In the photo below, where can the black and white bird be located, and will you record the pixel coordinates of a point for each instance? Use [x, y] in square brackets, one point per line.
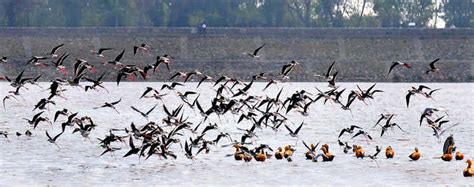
[255, 52]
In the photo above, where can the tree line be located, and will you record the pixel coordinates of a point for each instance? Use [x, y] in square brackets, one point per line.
[235, 13]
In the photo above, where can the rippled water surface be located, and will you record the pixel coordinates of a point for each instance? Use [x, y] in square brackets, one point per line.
[33, 160]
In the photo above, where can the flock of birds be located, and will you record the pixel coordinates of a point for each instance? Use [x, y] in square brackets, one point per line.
[232, 97]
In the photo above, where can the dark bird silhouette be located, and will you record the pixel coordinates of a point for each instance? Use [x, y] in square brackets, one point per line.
[433, 68]
[255, 52]
[172, 86]
[53, 140]
[349, 130]
[99, 53]
[397, 63]
[133, 149]
[364, 133]
[117, 59]
[54, 50]
[296, 131]
[110, 105]
[145, 115]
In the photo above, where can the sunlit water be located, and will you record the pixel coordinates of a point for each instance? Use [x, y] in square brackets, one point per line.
[33, 160]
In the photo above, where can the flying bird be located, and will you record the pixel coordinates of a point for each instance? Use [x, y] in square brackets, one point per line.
[397, 63]
[255, 52]
[433, 68]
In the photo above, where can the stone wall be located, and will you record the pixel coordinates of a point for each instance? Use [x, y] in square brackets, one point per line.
[361, 54]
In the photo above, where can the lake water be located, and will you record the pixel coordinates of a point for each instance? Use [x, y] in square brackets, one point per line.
[34, 161]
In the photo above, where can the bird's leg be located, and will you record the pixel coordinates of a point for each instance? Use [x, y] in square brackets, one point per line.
[57, 145]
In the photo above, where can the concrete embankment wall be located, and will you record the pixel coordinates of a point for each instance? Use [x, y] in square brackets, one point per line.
[361, 54]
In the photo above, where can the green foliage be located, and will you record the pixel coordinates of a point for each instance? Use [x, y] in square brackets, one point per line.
[459, 13]
[230, 13]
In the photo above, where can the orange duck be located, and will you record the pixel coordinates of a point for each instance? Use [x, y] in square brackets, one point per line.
[279, 154]
[448, 156]
[459, 155]
[468, 172]
[327, 156]
[359, 152]
[415, 155]
[238, 155]
[389, 153]
[261, 157]
[288, 151]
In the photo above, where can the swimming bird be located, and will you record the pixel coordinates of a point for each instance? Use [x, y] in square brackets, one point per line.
[389, 152]
[433, 68]
[53, 140]
[415, 155]
[459, 155]
[448, 156]
[254, 54]
[349, 130]
[28, 133]
[359, 152]
[447, 143]
[110, 105]
[279, 153]
[397, 63]
[468, 172]
[238, 155]
[326, 155]
[345, 146]
[288, 153]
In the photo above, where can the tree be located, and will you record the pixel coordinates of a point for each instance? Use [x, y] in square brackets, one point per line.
[458, 13]
[419, 12]
[388, 12]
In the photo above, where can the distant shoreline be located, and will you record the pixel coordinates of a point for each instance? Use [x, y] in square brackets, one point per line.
[362, 54]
